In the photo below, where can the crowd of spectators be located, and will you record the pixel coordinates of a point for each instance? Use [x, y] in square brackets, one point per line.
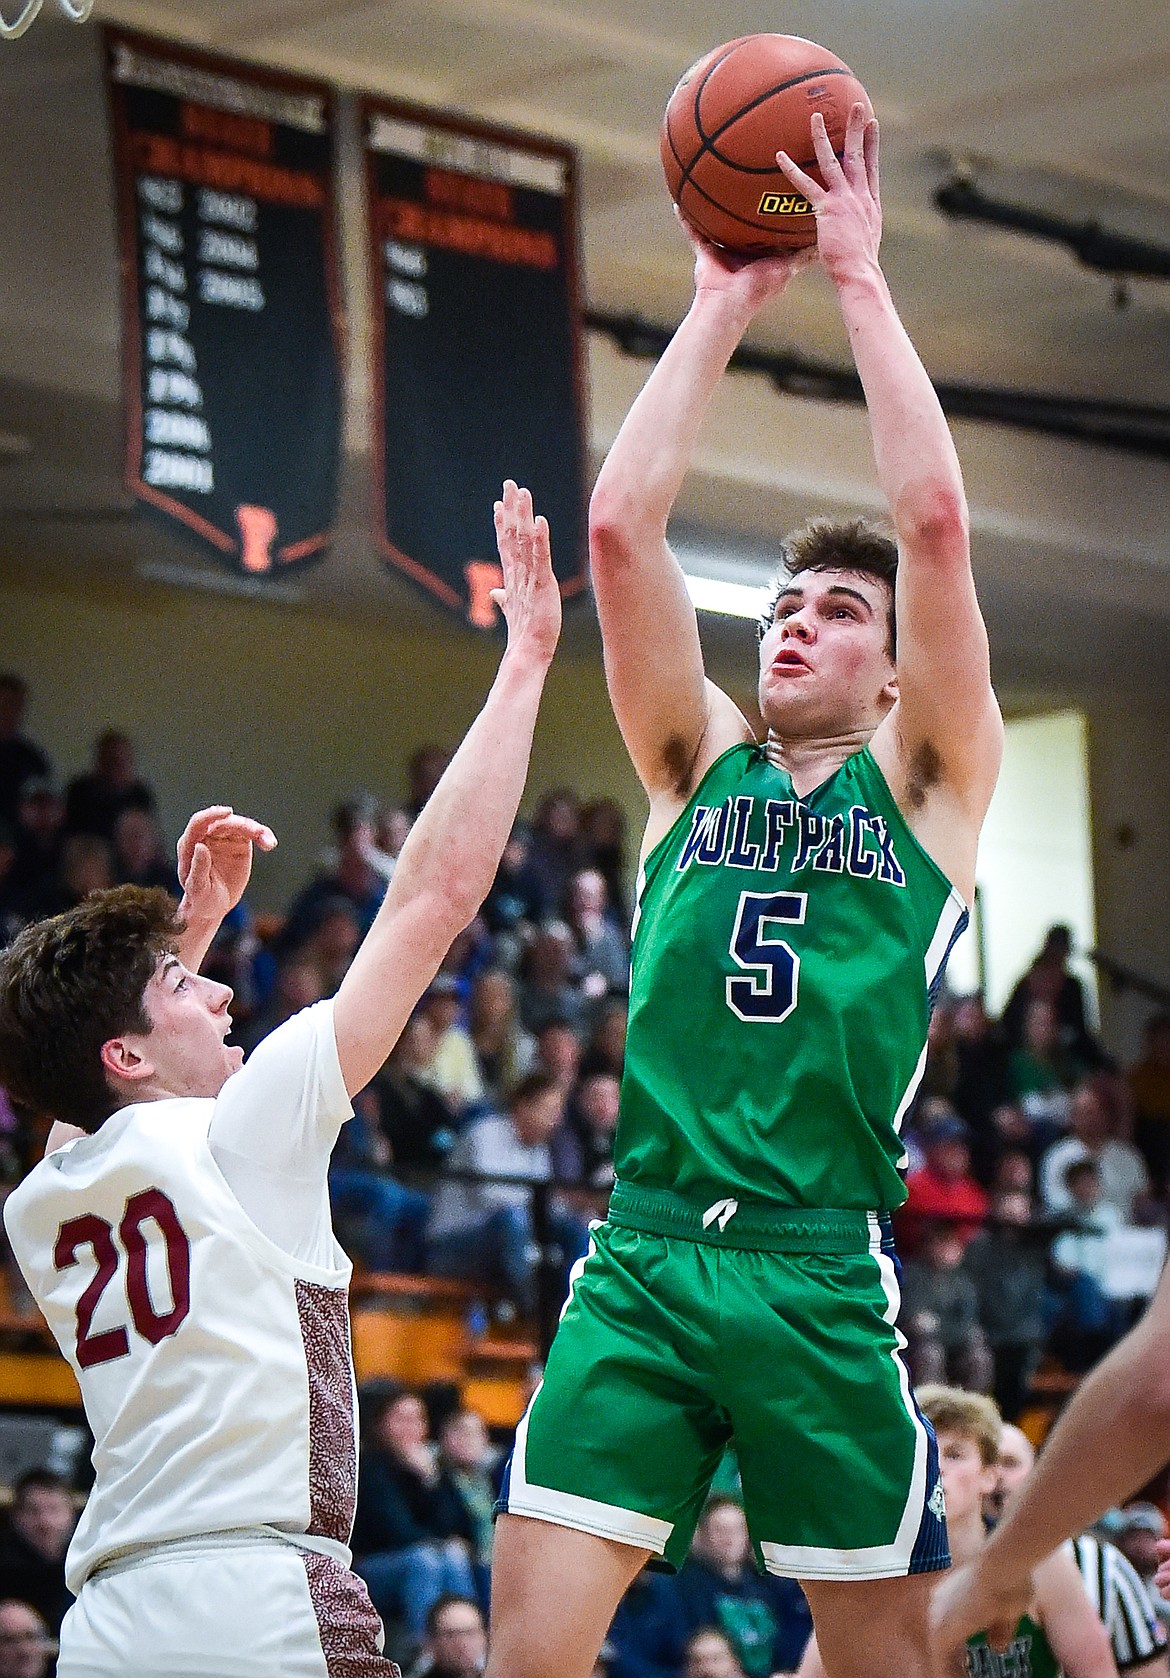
[1038, 1178]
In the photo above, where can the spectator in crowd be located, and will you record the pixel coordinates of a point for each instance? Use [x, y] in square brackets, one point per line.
[603, 846]
[1008, 1263]
[423, 774]
[140, 858]
[1095, 1117]
[555, 845]
[26, 1649]
[95, 800]
[709, 1654]
[456, 1640]
[516, 899]
[941, 1072]
[1042, 1072]
[350, 876]
[1049, 979]
[982, 1085]
[590, 1131]
[504, 1051]
[12, 901]
[765, 1619]
[1089, 1320]
[86, 866]
[605, 1050]
[647, 1638]
[40, 829]
[412, 1116]
[454, 1067]
[33, 1544]
[1149, 1089]
[558, 1052]
[1136, 1530]
[380, 1220]
[392, 825]
[1014, 1171]
[20, 760]
[331, 942]
[413, 1535]
[602, 962]
[467, 1455]
[484, 1229]
[297, 985]
[547, 987]
[943, 1186]
[940, 1315]
[1013, 1464]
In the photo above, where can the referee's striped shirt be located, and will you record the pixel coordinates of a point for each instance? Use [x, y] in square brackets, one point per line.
[1117, 1593]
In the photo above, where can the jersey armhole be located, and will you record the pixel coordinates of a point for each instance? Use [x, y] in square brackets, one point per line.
[651, 859]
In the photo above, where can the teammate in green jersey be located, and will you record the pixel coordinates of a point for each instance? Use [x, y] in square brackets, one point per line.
[1058, 1629]
[798, 902]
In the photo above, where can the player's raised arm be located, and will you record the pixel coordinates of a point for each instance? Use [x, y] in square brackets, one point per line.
[673, 721]
[449, 861]
[946, 723]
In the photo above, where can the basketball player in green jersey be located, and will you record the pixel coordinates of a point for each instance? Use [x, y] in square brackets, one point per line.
[1057, 1629]
[798, 900]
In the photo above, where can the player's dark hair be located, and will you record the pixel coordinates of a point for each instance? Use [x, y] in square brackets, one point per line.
[449, 1599]
[860, 545]
[69, 984]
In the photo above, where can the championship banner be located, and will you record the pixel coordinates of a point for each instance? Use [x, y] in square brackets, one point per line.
[477, 346]
[231, 314]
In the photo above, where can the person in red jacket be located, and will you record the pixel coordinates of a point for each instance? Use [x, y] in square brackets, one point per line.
[943, 1189]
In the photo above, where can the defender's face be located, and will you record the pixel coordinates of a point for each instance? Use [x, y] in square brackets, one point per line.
[189, 1020]
[966, 1478]
[825, 667]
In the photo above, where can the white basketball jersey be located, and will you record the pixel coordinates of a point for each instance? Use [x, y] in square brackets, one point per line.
[215, 1368]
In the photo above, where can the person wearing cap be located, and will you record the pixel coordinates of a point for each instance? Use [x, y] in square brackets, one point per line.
[942, 1190]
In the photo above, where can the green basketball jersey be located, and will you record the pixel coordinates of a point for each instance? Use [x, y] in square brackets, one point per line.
[785, 950]
[1028, 1655]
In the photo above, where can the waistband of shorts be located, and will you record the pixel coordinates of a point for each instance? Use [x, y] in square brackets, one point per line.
[210, 1543]
[749, 1225]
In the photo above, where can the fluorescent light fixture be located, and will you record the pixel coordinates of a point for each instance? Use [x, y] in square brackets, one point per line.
[736, 600]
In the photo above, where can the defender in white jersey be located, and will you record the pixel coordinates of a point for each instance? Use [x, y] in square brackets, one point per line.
[177, 1235]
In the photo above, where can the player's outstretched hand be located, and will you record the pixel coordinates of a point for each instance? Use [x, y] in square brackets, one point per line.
[215, 860]
[1162, 1576]
[962, 1605]
[755, 280]
[848, 207]
[530, 598]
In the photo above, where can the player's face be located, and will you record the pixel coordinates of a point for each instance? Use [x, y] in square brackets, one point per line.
[189, 1020]
[966, 1478]
[825, 666]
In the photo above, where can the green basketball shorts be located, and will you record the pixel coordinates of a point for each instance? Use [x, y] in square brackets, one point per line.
[766, 1328]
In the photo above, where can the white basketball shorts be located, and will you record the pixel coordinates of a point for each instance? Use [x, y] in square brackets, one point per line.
[244, 1606]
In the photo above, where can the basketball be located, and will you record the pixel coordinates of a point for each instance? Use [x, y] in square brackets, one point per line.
[726, 120]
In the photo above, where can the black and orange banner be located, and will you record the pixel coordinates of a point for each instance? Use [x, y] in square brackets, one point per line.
[477, 346]
[230, 299]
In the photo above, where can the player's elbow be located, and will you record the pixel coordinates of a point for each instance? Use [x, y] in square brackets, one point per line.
[932, 521]
[615, 527]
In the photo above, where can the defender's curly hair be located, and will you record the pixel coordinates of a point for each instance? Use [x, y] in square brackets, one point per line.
[830, 545]
[69, 984]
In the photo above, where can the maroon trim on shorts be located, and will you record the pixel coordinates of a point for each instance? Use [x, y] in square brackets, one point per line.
[349, 1628]
[324, 1317]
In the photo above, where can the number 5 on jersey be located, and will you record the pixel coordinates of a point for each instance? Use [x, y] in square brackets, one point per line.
[768, 993]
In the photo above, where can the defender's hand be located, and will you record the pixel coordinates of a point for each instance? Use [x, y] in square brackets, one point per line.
[215, 860]
[530, 598]
[848, 207]
[963, 1604]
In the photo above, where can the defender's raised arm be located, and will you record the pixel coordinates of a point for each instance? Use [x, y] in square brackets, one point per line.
[449, 861]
